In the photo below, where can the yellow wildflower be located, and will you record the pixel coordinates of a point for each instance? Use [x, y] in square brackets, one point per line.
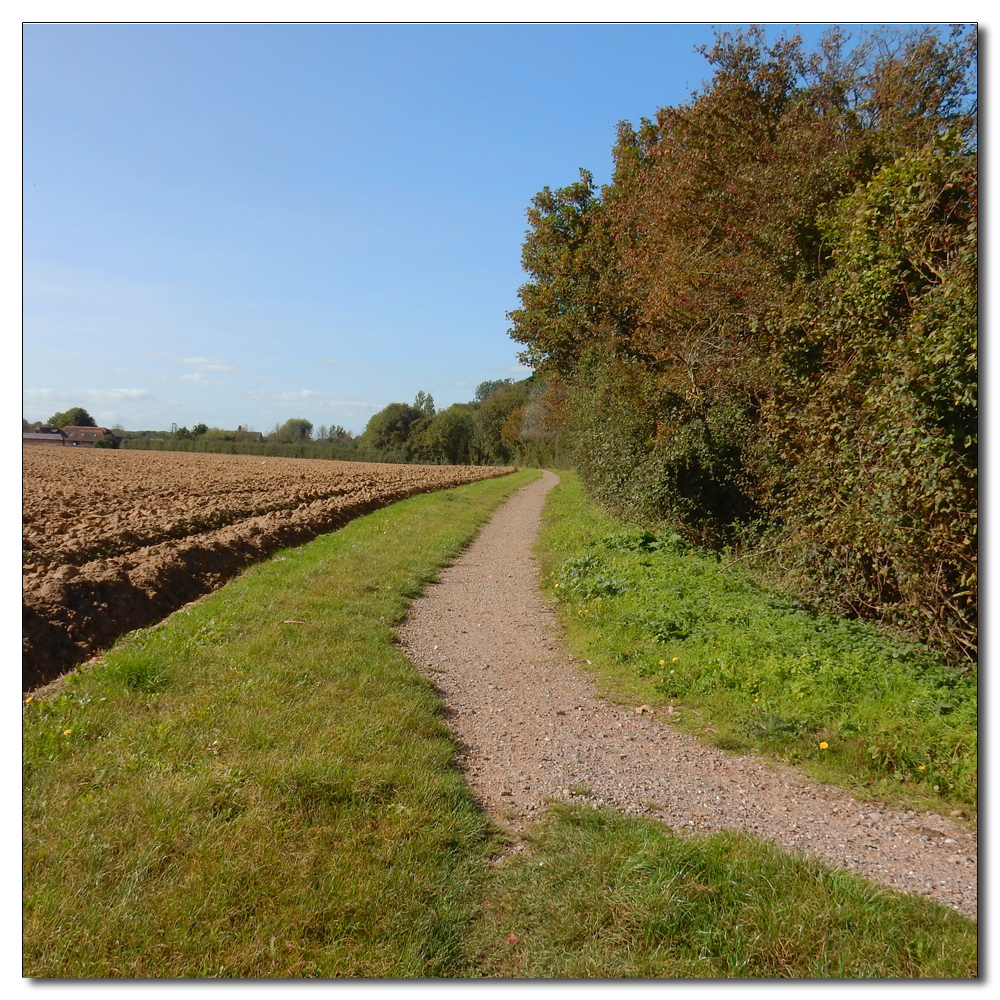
[675, 659]
[662, 662]
[920, 767]
[66, 732]
[823, 746]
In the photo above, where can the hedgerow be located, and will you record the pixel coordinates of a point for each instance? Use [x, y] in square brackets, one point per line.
[765, 327]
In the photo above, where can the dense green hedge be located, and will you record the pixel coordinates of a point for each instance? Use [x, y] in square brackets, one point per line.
[765, 327]
[267, 448]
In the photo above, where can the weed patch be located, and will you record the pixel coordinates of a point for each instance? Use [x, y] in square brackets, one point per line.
[854, 705]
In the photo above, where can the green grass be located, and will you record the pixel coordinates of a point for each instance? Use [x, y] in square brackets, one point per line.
[605, 896]
[753, 670]
[262, 786]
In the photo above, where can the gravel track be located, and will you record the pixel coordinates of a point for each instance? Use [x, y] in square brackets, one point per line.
[531, 729]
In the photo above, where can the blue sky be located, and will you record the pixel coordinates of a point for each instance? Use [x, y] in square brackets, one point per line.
[238, 224]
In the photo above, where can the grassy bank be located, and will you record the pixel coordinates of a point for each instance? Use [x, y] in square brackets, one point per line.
[262, 786]
[751, 670]
[606, 896]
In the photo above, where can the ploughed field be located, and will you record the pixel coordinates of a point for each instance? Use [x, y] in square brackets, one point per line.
[116, 540]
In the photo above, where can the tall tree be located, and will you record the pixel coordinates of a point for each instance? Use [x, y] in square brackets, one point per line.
[424, 403]
[751, 319]
[293, 431]
[76, 416]
[389, 428]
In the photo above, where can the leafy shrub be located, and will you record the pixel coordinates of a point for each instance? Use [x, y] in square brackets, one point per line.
[765, 327]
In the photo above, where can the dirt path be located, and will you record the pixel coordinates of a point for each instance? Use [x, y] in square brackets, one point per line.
[531, 728]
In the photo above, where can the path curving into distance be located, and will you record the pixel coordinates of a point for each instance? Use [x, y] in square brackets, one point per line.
[531, 728]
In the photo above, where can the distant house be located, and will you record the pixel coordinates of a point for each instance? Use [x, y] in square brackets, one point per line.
[44, 435]
[84, 437]
[245, 435]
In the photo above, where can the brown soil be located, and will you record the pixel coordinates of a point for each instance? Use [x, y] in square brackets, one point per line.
[116, 540]
[532, 729]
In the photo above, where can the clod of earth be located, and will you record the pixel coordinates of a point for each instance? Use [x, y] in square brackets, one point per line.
[116, 540]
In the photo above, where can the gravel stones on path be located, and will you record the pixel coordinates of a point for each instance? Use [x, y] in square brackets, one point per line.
[531, 730]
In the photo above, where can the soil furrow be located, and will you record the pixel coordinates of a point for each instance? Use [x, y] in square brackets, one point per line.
[79, 502]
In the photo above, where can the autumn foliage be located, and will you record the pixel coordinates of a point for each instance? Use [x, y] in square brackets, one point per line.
[764, 330]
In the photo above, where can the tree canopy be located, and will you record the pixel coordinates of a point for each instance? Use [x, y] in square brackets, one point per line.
[292, 431]
[76, 416]
[389, 428]
[507, 421]
[491, 385]
[764, 328]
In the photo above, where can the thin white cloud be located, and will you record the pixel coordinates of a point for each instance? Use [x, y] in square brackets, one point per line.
[299, 394]
[86, 286]
[317, 401]
[198, 378]
[88, 395]
[284, 397]
[209, 366]
[106, 406]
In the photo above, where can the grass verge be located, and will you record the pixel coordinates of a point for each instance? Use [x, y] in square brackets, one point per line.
[262, 786]
[605, 896]
[748, 669]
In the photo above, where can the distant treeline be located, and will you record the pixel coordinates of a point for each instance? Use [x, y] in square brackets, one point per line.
[311, 449]
[506, 423]
[764, 329]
